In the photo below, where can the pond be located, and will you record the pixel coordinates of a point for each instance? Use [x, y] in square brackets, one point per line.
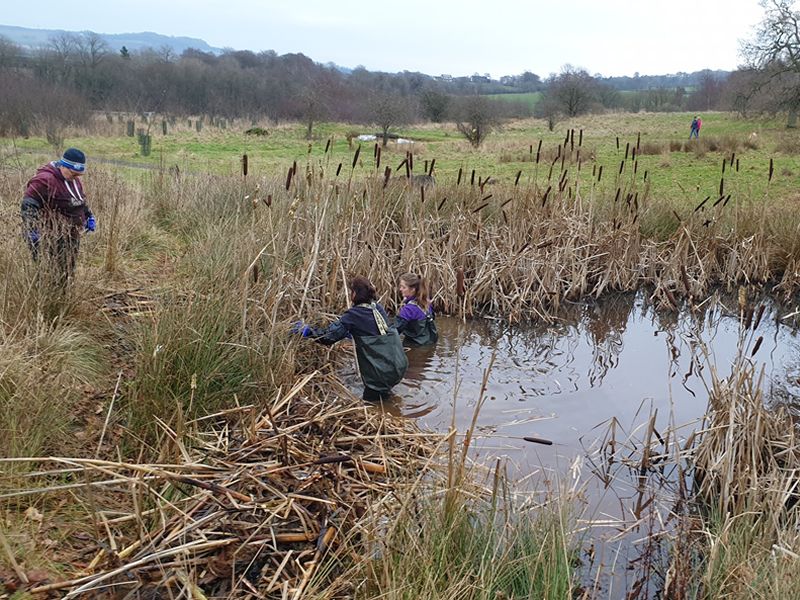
[615, 360]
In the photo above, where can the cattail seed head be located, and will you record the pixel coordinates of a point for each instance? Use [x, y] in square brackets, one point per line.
[759, 315]
[289, 178]
[700, 206]
[759, 341]
[460, 287]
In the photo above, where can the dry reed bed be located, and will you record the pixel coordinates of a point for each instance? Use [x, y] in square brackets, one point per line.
[727, 489]
[747, 457]
[253, 502]
[518, 251]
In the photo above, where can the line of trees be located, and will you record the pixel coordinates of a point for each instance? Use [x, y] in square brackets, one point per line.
[77, 73]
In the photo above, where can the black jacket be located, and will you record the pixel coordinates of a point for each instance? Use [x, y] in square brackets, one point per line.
[379, 351]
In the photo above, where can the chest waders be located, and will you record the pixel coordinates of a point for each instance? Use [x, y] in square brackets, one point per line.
[381, 358]
[420, 332]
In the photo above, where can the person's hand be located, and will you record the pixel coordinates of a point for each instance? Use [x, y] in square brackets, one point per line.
[34, 236]
[91, 223]
[301, 329]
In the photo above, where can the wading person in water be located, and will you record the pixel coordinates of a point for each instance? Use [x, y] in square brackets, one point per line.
[54, 213]
[379, 351]
[415, 320]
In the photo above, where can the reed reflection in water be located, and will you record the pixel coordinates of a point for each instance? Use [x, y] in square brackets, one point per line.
[601, 360]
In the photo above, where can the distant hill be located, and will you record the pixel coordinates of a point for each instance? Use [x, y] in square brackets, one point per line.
[34, 38]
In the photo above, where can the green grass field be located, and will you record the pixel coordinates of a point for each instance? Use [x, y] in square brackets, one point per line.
[531, 99]
[675, 171]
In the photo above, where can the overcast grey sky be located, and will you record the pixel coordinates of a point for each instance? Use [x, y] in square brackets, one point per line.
[500, 37]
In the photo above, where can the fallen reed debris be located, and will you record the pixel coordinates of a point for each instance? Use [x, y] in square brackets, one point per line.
[249, 505]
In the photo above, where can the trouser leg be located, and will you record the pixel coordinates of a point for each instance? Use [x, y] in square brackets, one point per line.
[30, 211]
[371, 395]
[65, 254]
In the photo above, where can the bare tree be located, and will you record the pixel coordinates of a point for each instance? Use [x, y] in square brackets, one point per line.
[774, 53]
[388, 111]
[434, 104]
[708, 94]
[59, 56]
[477, 118]
[90, 77]
[574, 91]
[549, 109]
[10, 53]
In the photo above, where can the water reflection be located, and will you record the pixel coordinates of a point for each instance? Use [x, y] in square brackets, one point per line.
[601, 360]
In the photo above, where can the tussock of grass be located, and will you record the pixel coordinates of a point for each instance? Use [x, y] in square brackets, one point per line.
[469, 551]
[42, 375]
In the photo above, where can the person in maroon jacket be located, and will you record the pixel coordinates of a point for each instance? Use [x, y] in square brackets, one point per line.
[55, 212]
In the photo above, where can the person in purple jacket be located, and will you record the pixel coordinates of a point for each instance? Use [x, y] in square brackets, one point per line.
[416, 321]
[54, 212]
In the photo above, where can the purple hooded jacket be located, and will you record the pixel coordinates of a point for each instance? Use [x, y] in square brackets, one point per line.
[57, 195]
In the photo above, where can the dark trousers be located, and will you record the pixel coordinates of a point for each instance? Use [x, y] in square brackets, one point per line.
[56, 248]
[371, 395]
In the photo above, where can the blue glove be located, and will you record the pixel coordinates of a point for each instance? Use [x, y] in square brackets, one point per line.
[34, 236]
[91, 223]
[300, 328]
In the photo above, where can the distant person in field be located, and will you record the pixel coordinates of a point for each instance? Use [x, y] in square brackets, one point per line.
[694, 130]
[381, 359]
[55, 212]
[415, 320]
[699, 125]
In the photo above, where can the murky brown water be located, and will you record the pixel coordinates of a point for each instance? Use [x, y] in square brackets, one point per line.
[615, 359]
